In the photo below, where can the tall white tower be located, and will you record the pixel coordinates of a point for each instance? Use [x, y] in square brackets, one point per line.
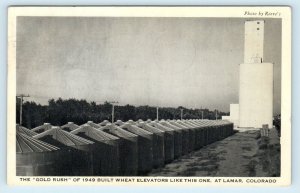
[256, 80]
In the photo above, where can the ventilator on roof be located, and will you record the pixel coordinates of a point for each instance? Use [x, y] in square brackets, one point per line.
[103, 123]
[91, 123]
[70, 126]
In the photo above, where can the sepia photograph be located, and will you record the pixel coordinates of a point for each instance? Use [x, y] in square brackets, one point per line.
[157, 97]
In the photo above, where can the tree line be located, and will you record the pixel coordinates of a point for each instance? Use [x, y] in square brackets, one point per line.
[61, 111]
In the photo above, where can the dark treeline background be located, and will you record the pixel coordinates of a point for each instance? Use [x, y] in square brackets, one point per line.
[59, 112]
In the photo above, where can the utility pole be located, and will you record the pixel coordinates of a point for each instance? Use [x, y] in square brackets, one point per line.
[157, 113]
[216, 115]
[113, 110]
[201, 113]
[181, 112]
[21, 96]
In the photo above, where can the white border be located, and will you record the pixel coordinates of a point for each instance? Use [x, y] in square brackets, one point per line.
[234, 12]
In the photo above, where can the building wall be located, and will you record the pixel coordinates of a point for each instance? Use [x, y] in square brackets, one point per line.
[254, 41]
[234, 111]
[256, 95]
[234, 115]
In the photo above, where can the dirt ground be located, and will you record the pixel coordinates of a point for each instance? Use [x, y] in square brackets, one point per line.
[239, 155]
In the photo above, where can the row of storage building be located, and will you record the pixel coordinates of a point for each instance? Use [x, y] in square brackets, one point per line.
[131, 148]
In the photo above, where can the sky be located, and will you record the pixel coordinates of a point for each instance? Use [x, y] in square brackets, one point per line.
[167, 62]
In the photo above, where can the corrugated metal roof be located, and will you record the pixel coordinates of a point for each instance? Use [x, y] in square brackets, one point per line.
[204, 123]
[94, 133]
[160, 126]
[135, 129]
[64, 137]
[190, 123]
[115, 130]
[179, 123]
[149, 128]
[167, 124]
[27, 144]
[24, 130]
[198, 124]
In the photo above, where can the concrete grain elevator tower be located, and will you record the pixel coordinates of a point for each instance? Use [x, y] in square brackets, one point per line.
[256, 80]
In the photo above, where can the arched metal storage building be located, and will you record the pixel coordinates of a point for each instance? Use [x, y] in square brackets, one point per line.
[177, 138]
[210, 131]
[168, 140]
[204, 129]
[198, 133]
[192, 134]
[145, 151]
[200, 138]
[157, 144]
[78, 152]
[35, 158]
[106, 150]
[185, 136]
[128, 149]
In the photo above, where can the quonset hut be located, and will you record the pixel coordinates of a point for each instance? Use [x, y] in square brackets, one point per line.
[128, 149]
[191, 135]
[200, 134]
[106, 150]
[145, 151]
[185, 136]
[34, 157]
[197, 133]
[157, 143]
[77, 159]
[168, 141]
[211, 130]
[177, 138]
[204, 129]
